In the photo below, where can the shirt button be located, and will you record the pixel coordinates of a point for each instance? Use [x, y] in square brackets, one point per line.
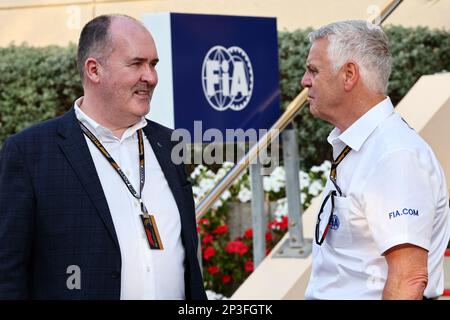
[148, 269]
[115, 274]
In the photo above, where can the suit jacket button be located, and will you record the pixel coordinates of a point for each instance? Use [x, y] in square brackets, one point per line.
[115, 274]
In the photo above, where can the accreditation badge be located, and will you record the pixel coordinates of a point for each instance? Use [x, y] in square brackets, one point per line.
[152, 233]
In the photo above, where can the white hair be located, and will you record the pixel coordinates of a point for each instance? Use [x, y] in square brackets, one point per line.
[362, 42]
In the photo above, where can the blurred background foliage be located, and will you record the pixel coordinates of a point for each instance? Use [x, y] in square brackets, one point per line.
[40, 83]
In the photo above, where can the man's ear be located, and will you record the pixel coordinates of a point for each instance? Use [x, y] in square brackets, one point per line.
[351, 75]
[91, 70]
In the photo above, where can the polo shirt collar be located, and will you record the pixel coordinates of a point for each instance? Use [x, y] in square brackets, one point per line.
[361, 129]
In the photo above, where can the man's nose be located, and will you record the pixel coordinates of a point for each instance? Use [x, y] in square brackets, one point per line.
[306, 81]
[150, 76]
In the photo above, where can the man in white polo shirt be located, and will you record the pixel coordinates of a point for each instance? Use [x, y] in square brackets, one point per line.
[383, 225]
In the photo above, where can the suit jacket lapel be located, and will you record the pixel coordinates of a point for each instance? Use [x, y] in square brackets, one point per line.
[75, 148]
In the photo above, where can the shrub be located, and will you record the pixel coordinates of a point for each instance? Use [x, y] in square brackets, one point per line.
[36, 84]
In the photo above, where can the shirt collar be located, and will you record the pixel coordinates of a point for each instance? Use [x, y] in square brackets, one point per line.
[361, 129]
[102, 133]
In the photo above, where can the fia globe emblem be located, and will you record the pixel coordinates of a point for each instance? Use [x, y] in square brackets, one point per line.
[335, 223]
[227, 78]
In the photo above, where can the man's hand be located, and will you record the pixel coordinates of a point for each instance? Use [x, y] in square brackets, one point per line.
[407, 272]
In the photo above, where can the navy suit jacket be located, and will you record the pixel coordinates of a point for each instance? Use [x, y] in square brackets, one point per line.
[54, 214]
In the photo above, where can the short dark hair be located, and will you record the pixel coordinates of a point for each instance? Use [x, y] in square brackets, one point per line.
[93, 39]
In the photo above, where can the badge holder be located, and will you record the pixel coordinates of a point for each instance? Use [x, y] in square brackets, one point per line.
[151, 231]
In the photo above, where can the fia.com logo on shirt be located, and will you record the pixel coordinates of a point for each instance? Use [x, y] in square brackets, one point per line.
[405, 212]
[227, 78]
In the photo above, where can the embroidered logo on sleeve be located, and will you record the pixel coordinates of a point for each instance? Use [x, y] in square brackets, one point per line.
[403, 212]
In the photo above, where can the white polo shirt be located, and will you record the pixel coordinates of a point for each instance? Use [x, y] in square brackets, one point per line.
[145, 274]
[394, 192]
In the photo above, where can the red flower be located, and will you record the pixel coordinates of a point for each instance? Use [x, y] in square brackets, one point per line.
[248, 266]
[208, 253]
[236, 247]
[207, 239]
[272, 225]
[203, 221]
[221, 229]
[213, 270]
[269, 236]
[198, 229]
[284, 223]
[278, 225]
[226, 279]
[248, 234]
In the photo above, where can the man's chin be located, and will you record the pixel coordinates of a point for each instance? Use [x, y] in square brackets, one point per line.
[141, 109]
[312, 109]
[315, 112]
[142, 101]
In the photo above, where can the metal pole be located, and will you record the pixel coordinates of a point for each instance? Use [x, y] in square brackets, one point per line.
[388, 8]
[291, 166]
[258, 218]
[295, 246]
[199, 253]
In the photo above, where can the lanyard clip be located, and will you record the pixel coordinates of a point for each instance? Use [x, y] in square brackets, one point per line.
[144, 209]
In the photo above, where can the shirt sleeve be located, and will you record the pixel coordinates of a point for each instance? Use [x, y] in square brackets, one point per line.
[398, 201]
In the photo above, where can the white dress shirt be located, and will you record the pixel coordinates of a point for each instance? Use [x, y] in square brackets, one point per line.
[146, 273]
[394, 192]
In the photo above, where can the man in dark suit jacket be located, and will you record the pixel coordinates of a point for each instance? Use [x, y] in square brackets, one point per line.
[59, 235]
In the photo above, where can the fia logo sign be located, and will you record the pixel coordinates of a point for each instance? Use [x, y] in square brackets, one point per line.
[227, 78]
